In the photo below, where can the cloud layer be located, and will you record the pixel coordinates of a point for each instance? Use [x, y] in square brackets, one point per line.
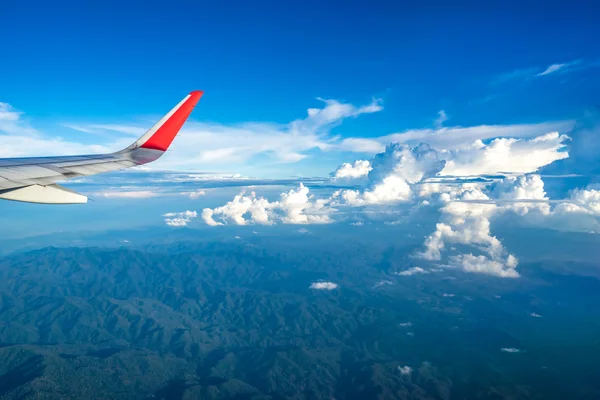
[439, 179]
[295, 206]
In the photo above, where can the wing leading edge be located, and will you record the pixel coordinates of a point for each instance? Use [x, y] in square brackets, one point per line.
[34, 179]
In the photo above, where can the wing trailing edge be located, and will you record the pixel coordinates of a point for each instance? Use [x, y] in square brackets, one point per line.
[51, 194]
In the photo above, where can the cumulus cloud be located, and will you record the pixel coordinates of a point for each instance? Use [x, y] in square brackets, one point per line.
[504, 155]
[467, 214]
[195, 194]
[415, 175]
[469, 224]
[412, 271]
[392, 173]
[295, 206]
[180, 218]
[323, 285]
[359, 169]
[515, 190]
[405, 370]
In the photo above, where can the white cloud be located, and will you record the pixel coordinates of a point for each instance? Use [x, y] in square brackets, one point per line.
[469, 224]
[200, 145]
[393, 171]
[180, 218]
[323, 285]
[405, 324]
[11, 122]
[506, 156]
[230, 145]
[137, 194]
[382, 283]
[553, 68]
[195, 194]
[529, 187]
[363, 145]
[359, 169]
[584, 201]
[510, 350]
[295, 206]
[405, 370]
[412, 271]
[491, 265]
[449, 138]
[535, 315]
[466, 218]
[442, 117]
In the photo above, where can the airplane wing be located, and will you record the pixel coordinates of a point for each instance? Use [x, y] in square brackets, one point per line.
[34, 179]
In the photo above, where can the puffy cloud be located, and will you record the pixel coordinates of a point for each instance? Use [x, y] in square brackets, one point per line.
[180, 218]
[583, 200]
[506, 156]
[195, 194]
[412, 271]
[466, 218]
[579, 212]
[236, 210]
[392, 173]
[492, 265]
[510, 350]
[359, 169]
[405, 370]
[294, 207]
[323, 285]
[469, 224]
[522, 188]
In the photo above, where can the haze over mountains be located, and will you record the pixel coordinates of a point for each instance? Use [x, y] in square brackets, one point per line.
[282, 314]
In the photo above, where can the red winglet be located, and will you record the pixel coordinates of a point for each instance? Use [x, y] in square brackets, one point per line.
[164, 135]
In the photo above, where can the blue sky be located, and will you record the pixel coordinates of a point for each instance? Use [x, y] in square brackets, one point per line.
[268, 61]
[503, 91]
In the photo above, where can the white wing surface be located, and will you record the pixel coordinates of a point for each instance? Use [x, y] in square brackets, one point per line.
[34, 179]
